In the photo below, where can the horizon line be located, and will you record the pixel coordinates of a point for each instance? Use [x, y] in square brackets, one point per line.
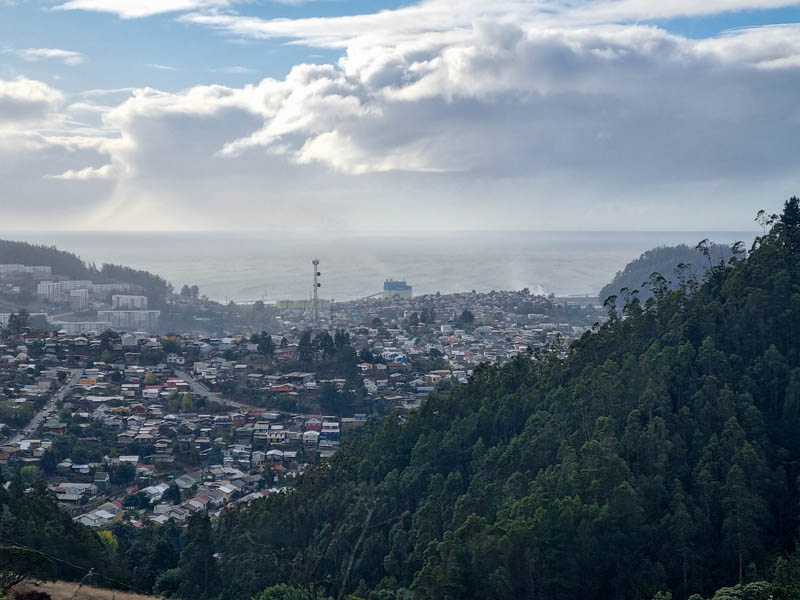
[364, 231]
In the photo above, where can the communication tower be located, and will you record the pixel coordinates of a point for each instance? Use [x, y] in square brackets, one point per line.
[317, 285]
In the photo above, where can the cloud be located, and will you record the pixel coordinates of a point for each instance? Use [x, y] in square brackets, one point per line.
[162, 67]
[106, 92]
[104, 172]
[133, 9]
[452, 114]
[68, 57]
[235, 70]
[24, 102]
[623, 107]
[87, 107]
[455, 18]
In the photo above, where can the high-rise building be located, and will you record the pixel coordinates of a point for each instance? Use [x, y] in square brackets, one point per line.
[79, 299]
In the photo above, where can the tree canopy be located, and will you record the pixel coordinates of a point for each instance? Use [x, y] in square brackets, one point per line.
[673, 263]
[658, 459]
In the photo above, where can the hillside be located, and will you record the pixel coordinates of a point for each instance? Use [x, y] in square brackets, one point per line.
[69, 265]
[659, 459]
[63, 263]
[665, 261]
[661, 455]
[62, 590]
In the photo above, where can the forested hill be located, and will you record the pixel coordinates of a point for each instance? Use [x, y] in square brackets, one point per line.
[660, 456]
[664, 260]
[67, 264]
[62, 263]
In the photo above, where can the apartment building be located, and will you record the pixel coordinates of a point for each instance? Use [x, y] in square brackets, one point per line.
[101, 289]
[79, 299]
[81, 327]
[131, 320]
[128, 302]
[34, 270]
[57, 291]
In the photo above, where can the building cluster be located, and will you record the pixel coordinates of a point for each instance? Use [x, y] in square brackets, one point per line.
[141, 321]
[62, 291]
[147, 418]
[179, 423]
[25, 269]
[407, 347]
[116, 304]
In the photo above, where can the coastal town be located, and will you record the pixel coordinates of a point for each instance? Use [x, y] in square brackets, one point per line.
[126, 421]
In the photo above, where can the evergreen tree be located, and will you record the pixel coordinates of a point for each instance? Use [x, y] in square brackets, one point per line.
[197, 563]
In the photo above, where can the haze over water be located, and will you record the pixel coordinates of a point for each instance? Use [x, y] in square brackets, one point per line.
[247, 266]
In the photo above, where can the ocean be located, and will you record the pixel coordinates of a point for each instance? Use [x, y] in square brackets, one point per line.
[250, 266]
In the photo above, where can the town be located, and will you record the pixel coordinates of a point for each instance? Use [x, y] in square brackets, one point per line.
[128, 422]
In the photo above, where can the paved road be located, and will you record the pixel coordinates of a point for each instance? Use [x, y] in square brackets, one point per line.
[75, 375]
[202, 390]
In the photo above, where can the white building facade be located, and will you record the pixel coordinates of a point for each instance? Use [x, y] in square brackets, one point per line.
[128, 302]
[131, 320]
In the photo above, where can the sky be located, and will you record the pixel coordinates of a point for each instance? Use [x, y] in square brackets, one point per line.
[294, 115]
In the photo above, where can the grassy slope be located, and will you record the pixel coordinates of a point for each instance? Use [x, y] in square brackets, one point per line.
[62, 590]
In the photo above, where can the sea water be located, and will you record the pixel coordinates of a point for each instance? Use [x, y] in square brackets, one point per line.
[273, 266]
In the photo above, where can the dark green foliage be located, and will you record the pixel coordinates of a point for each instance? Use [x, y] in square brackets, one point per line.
[465, 318]
[18, 322]
[282, 592]
[660, 457]
[172, 495]
[347, 361]
[335, 402]
[20, 564]
[153, 286]
[305, 347]
[341, 339]
[122, 474]
[673, 263]
[325, 345]
[62, 263]
[146, 555]
[197, 562]
[266, 347]
[136, 501]
[34, 520]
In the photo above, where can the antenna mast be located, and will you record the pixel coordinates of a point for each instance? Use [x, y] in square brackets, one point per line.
[317, 285]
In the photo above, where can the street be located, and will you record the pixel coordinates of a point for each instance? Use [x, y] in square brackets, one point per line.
[37, 419]
[201, 390]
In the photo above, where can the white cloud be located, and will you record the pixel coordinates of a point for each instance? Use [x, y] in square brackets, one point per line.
[455, 17]
[104, 172]
[106, 92]
[462, 114]
[68, 57]
[162, 67]
[235, 70]
[87, 107]
[503, 100]
[24, 102]
[133, 9]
